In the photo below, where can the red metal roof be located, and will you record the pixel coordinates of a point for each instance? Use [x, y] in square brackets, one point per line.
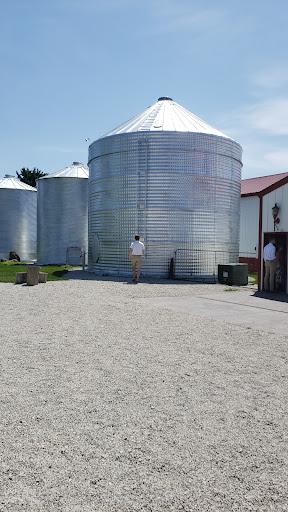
[254, 186]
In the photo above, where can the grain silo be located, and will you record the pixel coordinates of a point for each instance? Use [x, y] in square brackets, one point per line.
[174, 180]
[62, 213]
[18, 218]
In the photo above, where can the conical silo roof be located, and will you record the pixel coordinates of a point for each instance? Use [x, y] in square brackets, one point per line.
[76, 170]
[166, 115]
[11, 182]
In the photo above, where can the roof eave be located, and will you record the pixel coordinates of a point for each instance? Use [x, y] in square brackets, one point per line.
[269, 189]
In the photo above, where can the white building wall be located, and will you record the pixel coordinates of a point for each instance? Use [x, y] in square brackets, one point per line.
[279, 196]
[249, 227]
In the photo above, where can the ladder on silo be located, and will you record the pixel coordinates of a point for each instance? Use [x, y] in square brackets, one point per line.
[141, 189]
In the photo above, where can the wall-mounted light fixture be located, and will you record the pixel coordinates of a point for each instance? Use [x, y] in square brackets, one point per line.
[275, 211]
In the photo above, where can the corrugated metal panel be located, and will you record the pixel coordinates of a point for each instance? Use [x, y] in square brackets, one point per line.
[249, 227]
[62, 215]
[256, 185]
[180, 191]
[11, 182]
[18, 219]
[279, 196]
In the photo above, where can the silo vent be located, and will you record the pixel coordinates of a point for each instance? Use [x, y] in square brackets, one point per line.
[165, 98]
[9, 176]
[77, 163]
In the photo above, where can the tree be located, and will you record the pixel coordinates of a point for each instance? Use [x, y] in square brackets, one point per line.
[30, 177]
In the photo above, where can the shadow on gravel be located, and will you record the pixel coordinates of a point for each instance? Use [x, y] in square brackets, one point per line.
[89, 276]
[278, 297]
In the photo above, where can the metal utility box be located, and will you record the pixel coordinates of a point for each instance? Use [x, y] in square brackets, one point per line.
[233, 274]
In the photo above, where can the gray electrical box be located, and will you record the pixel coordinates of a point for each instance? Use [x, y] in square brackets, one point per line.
[233, 274]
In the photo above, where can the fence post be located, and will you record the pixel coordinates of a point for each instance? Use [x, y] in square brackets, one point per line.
[32, 275]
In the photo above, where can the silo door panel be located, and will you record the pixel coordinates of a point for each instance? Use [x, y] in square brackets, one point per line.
[95, 248]
[74, 256]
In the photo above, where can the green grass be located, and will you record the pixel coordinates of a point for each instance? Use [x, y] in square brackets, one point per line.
[255, 276]
[8, 271]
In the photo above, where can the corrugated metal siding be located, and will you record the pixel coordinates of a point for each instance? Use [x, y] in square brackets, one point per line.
[18, 222]
[62, 218]
[179, 191]
[279, 196]
[249, 226]
[255, 185]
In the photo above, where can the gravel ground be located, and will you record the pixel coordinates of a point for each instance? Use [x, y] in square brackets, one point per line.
[109, 404]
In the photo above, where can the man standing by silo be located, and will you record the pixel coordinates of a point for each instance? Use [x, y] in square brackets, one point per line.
[136, 252]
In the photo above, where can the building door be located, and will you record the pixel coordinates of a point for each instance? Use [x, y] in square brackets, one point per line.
[281, 244]
[74, 256]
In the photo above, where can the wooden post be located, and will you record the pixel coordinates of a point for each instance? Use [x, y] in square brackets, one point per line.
[32, 275]
[21, 277]
[43, 277]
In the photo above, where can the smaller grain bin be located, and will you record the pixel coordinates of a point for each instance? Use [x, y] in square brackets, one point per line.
[18, 218]
[62, 214]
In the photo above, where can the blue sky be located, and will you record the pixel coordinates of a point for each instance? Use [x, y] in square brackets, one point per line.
[72, 69]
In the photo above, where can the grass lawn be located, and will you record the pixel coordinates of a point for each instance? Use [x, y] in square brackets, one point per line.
[8, 271]
[255, 276]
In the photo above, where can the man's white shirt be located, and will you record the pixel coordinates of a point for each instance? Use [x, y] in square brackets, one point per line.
[137, 248]
[269, 252]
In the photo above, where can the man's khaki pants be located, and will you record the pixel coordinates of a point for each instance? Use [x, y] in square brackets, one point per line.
[269, 279]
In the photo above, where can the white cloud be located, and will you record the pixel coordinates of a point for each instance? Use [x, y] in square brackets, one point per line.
[271, 78]
[175, 17]
[278, 159]
[262, 157]
[58, 149]
[261, 127]
[174, 20]
[94, 6]
[270, 116]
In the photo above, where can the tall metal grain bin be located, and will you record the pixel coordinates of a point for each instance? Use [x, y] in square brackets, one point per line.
[174, 180]
[18, 218]
[62, 213]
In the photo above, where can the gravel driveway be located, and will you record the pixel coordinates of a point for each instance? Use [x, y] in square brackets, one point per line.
[111, 404]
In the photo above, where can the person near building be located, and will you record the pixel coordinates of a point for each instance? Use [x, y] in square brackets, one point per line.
[136, 252]
[269, 255]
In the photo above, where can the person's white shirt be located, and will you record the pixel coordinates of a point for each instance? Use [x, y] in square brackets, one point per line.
[137, 248]
[269, 252]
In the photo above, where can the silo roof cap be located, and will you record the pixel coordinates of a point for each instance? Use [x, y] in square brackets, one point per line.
[11, 182]
[76, 170]
[166, 115]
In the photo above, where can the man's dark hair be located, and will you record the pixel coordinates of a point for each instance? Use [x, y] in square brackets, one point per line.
[137, 237]
[272, 238]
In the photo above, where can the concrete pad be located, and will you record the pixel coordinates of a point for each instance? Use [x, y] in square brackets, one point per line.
[258, 311]
[259, 300]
